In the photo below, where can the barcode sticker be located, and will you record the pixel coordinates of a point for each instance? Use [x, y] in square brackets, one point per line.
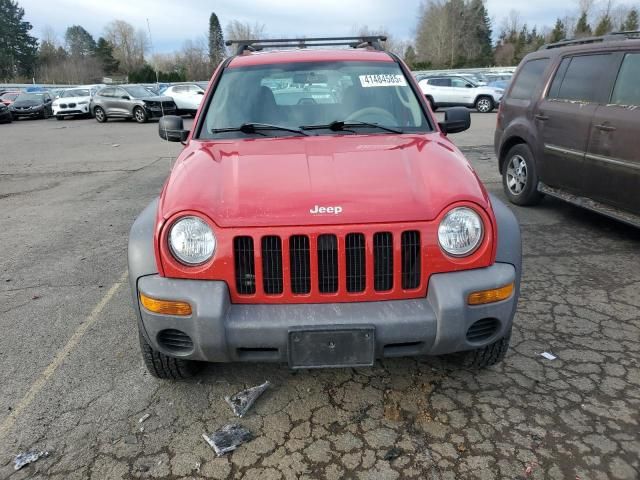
[383, 80]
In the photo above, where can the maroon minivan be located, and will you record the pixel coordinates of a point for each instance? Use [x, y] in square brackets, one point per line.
[569, 126]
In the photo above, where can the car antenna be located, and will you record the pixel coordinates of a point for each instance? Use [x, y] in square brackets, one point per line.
[155, 68]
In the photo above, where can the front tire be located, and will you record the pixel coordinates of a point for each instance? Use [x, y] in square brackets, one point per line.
[483, 357]
[484, 104]
[100, 115]
[140, 115]
[165, 367]
[520, 177]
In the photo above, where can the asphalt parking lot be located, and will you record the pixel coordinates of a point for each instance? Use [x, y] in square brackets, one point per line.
[73, 382]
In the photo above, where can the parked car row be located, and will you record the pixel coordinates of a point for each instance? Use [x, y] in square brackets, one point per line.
[137, 102]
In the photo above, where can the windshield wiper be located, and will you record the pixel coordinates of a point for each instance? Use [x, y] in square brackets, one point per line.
[340, 125]
[253, 127]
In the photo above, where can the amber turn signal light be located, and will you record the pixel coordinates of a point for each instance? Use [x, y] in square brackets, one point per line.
[165, 307]
[490, 296]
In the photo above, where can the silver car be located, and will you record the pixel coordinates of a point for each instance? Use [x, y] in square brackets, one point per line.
[130, 101]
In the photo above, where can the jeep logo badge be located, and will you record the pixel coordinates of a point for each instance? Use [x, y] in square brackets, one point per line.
[318, 210]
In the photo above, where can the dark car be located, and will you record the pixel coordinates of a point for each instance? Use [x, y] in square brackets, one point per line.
[130, 101]
[5, 114]
[569, 125]
[32, 105]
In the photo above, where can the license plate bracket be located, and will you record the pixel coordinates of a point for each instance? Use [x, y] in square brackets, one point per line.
[334, 347]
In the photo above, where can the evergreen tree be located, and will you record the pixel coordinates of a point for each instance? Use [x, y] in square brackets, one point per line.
[631, 23]
[481, 34]
[18, 49]
[582, 27]
[216, 41]
[80, 43]
[104, 54]
[605, 25]
[410, 56]
[559, 32]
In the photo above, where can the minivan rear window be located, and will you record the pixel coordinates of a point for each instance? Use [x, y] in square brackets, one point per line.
[578, 78]
[527, 80]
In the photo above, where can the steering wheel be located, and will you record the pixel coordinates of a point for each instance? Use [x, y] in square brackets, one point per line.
[372, 115]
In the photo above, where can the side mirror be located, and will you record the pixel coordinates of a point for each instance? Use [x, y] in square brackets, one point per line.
[125, 97]
[456, 119]
[171, 129]
[468, 85]
[200, 92]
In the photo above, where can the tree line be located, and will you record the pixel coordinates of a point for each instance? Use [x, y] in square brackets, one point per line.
[121, 52]
[458, 33]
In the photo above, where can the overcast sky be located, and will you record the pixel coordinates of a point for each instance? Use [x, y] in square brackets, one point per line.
[173, 21]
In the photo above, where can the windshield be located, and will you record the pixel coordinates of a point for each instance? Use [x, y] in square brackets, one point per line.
[313, 94]
[30, 96]
[76, 92]
[139, 92]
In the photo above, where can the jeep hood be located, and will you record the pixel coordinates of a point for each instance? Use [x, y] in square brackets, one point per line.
[278, 181]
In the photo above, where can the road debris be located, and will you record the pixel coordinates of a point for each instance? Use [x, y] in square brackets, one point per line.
[548, 356]
[228, 438]
[392, 454]
[144, 417]
[241, 402]
[24, 459]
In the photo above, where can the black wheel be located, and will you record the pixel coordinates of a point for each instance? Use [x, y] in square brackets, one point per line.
[484, 104]
[166, 367]
[432, 104]
[139, 115]
[100, 114]
[520, 177]
[483, 357]
[45, 114]
[59, 117]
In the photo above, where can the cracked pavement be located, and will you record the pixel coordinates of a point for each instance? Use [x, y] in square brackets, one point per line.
[68, 198]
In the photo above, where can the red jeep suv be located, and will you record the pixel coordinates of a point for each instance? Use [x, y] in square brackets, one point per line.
[320, 216]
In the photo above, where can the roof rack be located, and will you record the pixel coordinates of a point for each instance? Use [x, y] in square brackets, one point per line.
[609, 37]
[369, 41]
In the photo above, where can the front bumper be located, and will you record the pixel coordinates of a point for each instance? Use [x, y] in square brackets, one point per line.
[75, 110]
[225, 332]
[27, 113]
[157, 112]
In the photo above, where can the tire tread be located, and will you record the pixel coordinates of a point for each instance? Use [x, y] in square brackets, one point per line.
[165, 367]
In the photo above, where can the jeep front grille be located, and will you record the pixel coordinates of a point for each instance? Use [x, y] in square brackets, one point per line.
[385, 263]
[245, 265]
[410, 259]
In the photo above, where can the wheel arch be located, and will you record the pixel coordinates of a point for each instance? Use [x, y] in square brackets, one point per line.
[505, 147]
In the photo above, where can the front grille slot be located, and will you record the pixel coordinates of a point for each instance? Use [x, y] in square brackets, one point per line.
[328, 264]
[382, 261]
[299, 258]
[175, 340]
[482, 330]
[356, 262]
[411, 254]
[272, 265]
[244, 265]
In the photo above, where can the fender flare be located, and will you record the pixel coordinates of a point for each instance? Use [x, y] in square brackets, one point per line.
[141, 253]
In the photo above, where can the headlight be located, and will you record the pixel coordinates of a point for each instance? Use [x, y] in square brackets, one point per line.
[460, 232]
[191, 241]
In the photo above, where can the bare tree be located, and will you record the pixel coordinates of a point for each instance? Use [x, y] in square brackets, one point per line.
[129, 45]
[236, 30]
[194, 59]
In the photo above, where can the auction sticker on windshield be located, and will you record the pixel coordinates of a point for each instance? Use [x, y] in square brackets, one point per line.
[383, 80]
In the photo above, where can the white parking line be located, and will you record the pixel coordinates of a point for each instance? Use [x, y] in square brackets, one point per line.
[60, 357]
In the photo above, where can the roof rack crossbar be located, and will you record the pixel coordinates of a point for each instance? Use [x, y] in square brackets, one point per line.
[369, 41]
[631, 34]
